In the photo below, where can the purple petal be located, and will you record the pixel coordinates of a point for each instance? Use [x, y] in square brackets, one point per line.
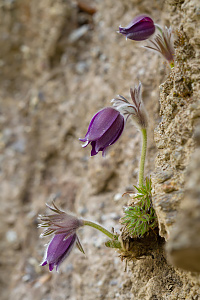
[139, 29]
[67, 253]
[119, 133]
[100, 123]
[57, 247]
[51, 266]
[93, 151]
[85, 142]
[111, 135]
[138, 19]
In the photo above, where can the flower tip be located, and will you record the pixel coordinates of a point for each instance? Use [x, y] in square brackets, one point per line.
[85, 141]
[51, 266]
[43, 263]
[85, 144]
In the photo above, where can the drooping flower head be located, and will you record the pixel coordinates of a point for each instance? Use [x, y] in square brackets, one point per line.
[104, 130]
[136, 110]
[163, 44]
[64, 227]
[139, 29]
[142, 28]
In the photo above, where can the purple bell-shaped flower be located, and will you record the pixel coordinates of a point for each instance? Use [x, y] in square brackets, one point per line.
[104, 130]
[64, 227]
[139, 29]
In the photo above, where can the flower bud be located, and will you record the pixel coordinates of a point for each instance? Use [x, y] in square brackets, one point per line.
[140, 28]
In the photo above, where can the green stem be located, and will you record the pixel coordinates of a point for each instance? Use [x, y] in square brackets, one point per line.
[143, 156]
[100, 228]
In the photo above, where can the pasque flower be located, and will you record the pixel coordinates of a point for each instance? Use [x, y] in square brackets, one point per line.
[64, 227]
[139, 29]
[104, 130]
[136, 110]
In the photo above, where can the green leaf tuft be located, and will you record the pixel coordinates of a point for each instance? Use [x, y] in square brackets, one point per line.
[140, 217]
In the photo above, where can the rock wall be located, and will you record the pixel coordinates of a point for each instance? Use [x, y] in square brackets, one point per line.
[177, 185]
[61, 61]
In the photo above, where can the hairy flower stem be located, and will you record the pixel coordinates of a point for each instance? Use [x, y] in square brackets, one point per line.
[143, 156]
[100, 228]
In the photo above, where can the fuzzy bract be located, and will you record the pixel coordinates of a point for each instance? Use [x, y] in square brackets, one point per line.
[136, 109]
[162, 43]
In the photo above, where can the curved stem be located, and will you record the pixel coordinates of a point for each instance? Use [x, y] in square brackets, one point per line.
[143, 156]
[100, 228]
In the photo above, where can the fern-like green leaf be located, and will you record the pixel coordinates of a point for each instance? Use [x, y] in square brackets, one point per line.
[140, 217]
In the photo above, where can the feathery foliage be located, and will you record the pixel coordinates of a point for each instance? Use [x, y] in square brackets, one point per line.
[140, 217]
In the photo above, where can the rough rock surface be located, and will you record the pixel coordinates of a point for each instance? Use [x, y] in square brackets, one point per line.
[61, 61]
